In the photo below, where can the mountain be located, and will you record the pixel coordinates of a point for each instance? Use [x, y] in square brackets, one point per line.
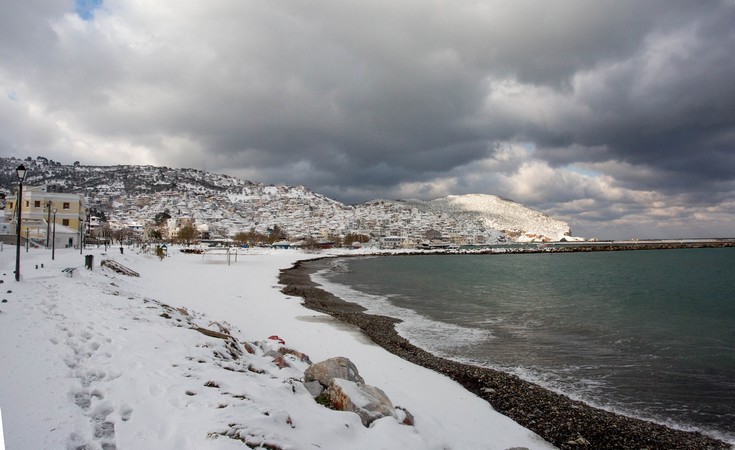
[516, 221]
[135, 194]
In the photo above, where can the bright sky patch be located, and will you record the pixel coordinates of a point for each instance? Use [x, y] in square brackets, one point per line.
[85, 8]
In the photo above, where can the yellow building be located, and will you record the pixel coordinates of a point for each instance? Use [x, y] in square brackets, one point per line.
[38, 210]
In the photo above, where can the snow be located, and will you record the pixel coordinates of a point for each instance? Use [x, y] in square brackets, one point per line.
[102, 360]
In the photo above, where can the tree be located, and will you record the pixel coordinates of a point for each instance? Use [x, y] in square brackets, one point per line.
[187, 234]
[310, 244]
[351, 238]
[160, 218]
[122, 234]
[242, 238]
[276, 234]
[338, 241]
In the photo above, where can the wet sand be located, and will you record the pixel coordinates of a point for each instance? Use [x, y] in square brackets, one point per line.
[566, 423]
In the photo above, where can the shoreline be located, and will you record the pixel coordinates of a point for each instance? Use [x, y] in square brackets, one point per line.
[564, 422]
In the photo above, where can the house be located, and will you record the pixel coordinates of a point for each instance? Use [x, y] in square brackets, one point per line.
[40, 208]
[391, 242]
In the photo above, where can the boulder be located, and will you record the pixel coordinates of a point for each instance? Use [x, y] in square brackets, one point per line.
[340, 367]
[346, 391]
[369, 402]
[314, 387]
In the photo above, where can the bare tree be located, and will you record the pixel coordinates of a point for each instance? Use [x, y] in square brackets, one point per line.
[187, 234]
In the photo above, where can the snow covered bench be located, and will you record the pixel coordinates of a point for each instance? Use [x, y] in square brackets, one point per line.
[69, 271]
[119, 268]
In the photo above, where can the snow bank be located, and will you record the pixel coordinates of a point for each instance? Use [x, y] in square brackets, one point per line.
[104, 360]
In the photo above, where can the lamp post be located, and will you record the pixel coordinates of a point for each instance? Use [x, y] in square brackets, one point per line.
[88, 232]
[28, 235]
[48, 222]
[53, 239]
[21, 172]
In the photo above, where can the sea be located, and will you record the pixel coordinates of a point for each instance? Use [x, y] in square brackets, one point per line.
[645, 333]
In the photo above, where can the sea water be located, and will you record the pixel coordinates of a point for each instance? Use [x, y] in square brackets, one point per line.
[649, 334]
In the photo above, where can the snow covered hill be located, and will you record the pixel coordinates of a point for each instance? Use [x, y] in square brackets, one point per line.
[515, 220]
[227, 205]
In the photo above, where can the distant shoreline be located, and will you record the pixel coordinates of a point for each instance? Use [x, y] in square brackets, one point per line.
[589, 246]
[563, 422]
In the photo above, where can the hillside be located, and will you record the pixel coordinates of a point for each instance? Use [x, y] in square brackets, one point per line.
[135, 194]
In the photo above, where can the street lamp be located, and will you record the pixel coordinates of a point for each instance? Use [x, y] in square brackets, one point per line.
[21, 172]
[88, 232]
[48, 221]
[53, 239]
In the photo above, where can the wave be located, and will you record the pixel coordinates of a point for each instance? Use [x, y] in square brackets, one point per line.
[464, 344]
[418, 329]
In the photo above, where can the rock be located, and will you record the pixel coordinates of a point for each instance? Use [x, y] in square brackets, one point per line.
[303, 357]
[369, 402]
[212, 333]
[281, 362]
[579, 441]
[404, 416]
[340, 367]
[272, 354]
[248, 348]
[314, 387]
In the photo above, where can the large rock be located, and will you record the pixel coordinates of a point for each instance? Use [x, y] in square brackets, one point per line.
[369, 402]
[346, 391]
[340, 367]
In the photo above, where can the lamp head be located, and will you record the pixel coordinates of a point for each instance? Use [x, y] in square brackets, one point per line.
[21, 172]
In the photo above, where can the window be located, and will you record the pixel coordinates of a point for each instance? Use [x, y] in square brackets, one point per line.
[65, 222]
[37, 204]
[66, 205]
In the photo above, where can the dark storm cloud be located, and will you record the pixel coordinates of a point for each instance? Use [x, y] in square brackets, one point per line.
[670, 106]
[605, 111]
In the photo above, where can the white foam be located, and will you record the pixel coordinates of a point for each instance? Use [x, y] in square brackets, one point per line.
[431, 335]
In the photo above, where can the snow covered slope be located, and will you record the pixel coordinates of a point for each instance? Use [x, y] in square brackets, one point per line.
[515, 220]
[227, 205]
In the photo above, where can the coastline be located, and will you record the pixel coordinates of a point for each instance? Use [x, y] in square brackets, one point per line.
[561, 421]
[113, 360]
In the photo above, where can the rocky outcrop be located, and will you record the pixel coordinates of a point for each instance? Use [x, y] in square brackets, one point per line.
[337, 382]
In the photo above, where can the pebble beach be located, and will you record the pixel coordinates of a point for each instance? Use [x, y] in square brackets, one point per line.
[564, 422]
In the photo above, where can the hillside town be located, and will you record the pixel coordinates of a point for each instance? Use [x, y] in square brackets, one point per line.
[145, 203]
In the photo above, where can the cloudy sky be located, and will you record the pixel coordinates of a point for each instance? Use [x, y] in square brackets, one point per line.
[616, 116]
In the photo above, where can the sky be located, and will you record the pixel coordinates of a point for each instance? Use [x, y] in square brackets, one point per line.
[615, 116]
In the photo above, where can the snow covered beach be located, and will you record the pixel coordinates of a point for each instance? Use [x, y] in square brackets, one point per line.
[97, 359]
